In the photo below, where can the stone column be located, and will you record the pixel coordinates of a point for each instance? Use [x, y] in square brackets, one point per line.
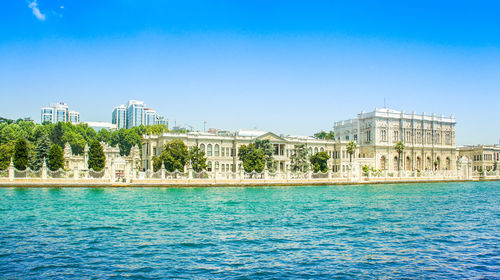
[44, 170]
[190, 173]
[162, 172]
[75, 173]
[266, 173]
[11, 170]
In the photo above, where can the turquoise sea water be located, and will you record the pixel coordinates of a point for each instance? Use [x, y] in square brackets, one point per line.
[413, 231]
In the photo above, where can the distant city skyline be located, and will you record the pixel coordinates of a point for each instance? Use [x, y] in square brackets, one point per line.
[288, 67]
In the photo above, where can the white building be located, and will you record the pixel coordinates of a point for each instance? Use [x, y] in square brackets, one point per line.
[59, 112]
[135, 113]
[221, 149]
[429, 140]
[119, 117]
[102, 125]
[74, 117]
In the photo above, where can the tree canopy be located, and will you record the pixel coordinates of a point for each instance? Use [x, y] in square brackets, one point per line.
[399, 147]
[56, 158]
[268, 149]
[197, 159]
[298, 158]
[41, 152]
[253, 158]
[351, 149]
[325, 135]
[175, 155]
[21, 154]
[319, 162]
[97, 159]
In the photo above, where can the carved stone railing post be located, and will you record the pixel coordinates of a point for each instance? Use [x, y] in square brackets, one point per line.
[11, 170]
[162, 172]
[75, 173]
[44, 169]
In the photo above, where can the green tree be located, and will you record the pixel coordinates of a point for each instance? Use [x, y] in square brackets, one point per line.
[97, 159]
[252, 157]
[6, 154]
[156, 129]
[57, 134]
[351, 149]
[21, 154]
[56, 158]
[268, 149]
[157, 162]
[41, 152]
[126, 139]
[197, 159]
[325, 135]
[319, 162]
[298, 158]
[76, 141]
[38, 132]
[104, 136]
[10, 133]
[400, 147]
[90, 134]
[175, 155]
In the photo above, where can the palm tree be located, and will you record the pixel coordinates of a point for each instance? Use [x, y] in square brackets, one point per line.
[400, 147]
[351, 148]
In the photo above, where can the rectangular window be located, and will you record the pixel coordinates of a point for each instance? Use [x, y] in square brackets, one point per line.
[395, 136]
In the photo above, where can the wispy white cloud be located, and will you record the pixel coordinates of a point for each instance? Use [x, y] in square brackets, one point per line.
[33, 5]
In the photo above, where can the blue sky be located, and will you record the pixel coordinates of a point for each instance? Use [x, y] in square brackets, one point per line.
[287, 66]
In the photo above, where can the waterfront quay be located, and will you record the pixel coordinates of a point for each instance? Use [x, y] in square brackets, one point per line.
[163, 178]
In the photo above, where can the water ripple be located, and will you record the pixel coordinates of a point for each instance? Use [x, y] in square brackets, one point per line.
[426, 231]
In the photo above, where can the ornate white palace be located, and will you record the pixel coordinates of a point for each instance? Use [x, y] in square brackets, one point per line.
[429, 140]
[221, 150]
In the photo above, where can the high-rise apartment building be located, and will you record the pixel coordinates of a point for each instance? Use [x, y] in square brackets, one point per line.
[150, 117]
[135, 113]
[59, 112]
[74, 117]
[119, 117]
[47, 115]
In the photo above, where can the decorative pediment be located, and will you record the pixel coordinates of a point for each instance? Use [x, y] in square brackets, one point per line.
[270, 136]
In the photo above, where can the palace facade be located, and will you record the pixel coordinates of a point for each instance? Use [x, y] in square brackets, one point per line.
[483, 157]
[429, 140]
[222, 149]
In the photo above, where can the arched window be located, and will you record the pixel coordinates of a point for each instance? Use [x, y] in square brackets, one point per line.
[437, 164]
[209, 166]
[316, 150]
[310, 151]
[321, 149]
[396, 163]
[216, 165]
[408, 164]
[209, 150]
[216, 150]
[202, 147]
[448, 163]
[419, 163]
[382, 163]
